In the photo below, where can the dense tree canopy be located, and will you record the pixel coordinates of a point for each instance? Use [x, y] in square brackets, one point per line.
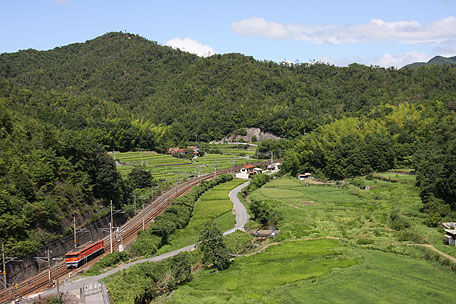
[118, 75]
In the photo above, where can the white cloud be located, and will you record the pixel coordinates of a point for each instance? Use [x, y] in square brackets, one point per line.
[375, 30]
[61, 2]
[191, 46]
[447, 48]
[387, 60]
[259, 27]
[399, 61]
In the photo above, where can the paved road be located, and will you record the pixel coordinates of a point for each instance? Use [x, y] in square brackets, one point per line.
[241, 219]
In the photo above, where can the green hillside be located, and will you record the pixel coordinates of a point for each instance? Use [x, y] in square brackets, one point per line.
[437, 60]
[211, 97]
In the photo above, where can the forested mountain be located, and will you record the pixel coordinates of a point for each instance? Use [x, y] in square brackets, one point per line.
[60, 110]
[210, 97]
[437, 60]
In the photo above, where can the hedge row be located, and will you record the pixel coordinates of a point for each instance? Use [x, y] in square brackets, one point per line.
[144, 282]
[175, 217]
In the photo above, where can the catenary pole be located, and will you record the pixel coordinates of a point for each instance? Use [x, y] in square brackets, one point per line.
[110, 228]
[3, 262]
[74, 232]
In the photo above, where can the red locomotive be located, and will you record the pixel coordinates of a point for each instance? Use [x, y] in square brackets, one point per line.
[80, 256]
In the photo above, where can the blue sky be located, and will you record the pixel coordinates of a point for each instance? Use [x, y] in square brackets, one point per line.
[385, 33]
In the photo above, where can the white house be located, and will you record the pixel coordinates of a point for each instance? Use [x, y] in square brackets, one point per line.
[246, 172]
[273, 168]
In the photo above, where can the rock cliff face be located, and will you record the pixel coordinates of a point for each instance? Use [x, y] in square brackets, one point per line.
[252, 133]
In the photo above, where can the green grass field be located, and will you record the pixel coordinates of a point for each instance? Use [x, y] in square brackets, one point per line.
[167, 167]
[370, 264]
[213, 205]
[320, 271]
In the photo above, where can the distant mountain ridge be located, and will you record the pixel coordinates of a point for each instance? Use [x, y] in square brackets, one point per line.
[122, 76]
[437, 60]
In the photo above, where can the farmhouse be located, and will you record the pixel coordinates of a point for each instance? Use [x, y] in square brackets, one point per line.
[275, 167]
[193, 149]
[258, 170]
[173, 150]
[450, 233]
[246, 171]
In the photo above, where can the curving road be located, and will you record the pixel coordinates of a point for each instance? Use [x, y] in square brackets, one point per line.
[242, 218]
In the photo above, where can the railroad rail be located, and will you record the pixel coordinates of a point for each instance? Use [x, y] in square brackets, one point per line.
[128, 232]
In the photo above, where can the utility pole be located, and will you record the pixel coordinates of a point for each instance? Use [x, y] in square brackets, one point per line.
[272, 157]
[110, 227]
[49, 265]
[143, 215]
[134, 199]
[74, 232]
[57, 273]
[119, 233]
[4, 268]
[4, 262]
[152, 189]
[141, 159]
[47, 259]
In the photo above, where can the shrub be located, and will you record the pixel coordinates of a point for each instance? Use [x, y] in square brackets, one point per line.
[146, 244]
[364, 241]
[238, 242]
[109, 260]
[358, 182]
[213, 248]
[411, 235]
[397, 221]
[263, 212]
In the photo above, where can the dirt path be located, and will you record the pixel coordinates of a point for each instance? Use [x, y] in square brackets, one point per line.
[451, 258]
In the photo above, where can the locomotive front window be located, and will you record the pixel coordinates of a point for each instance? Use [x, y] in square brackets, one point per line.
[70, 256]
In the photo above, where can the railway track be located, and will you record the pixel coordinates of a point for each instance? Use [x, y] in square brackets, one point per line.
[128, 233]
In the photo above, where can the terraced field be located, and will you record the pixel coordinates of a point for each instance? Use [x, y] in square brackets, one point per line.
[167, 167]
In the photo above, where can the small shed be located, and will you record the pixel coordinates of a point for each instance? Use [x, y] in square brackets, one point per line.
[304, 176]
[450, 237]
[450, 233]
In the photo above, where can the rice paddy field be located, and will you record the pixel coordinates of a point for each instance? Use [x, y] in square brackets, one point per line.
[167, 167]
[365, 261]
[320, 271]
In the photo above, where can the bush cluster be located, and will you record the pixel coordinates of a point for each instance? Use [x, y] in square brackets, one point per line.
[143, 283]
[109, 260]
[256, 182]
[264, 212]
